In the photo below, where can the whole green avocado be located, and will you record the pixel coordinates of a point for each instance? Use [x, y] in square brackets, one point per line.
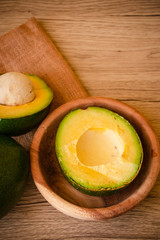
[14, 169]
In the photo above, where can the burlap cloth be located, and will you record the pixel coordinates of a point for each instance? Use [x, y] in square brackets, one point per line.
[28, 49]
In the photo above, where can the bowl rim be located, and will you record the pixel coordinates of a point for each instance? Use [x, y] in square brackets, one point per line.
[93, 213]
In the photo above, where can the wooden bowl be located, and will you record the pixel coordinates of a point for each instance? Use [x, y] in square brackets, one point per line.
[60, 194]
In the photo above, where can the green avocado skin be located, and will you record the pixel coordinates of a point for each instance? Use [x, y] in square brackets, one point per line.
[18, 126]
[14, 169]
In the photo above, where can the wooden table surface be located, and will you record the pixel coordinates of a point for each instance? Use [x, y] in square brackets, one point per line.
[114, 48]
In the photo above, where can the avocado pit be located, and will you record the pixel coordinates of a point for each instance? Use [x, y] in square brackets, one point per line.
[15, 89]
[99, 147]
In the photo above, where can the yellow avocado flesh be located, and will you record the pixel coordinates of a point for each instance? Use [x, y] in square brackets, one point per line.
[98, 149]
[43, 97]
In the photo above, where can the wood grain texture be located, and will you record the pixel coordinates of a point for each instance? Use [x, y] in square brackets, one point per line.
[113, 46]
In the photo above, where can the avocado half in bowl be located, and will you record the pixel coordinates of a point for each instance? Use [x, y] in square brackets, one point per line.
[19, 119]
[55, 188]
[98, 150]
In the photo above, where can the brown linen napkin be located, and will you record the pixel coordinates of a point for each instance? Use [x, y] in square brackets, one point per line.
[28, 49]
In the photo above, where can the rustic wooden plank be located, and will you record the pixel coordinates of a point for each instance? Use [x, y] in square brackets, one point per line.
[124, 57]
[114, 48]
[120, 54]
[84, 8]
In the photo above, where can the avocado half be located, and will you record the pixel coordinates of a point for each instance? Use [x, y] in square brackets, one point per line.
[16, 120]
[14, 169]
[98, 150]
